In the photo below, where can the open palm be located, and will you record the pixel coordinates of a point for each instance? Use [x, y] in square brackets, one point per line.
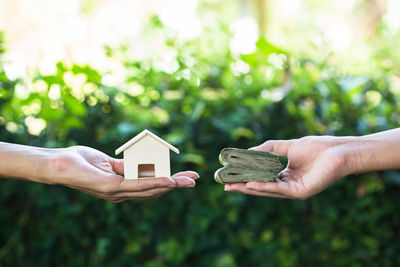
[315, 163]
[97, 174]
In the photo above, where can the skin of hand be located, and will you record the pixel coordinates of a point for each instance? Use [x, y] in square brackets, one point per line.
[316, 162]
[85, 169]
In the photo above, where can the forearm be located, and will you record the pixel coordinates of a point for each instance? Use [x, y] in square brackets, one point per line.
[26, 162]
[379, 151]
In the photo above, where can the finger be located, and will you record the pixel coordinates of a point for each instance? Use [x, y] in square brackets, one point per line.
[121, 199]
[136, 185]
[241, 188]
[191, 174]
[260, 194]
[183, 181]
[284, 174]
[280, 147]
[117, 165]
[114, 197]
[151, 193]
[230, 187]
[280, 187]
[284, 179]
[290, 173]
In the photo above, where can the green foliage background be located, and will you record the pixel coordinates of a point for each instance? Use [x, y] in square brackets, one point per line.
[213, 99]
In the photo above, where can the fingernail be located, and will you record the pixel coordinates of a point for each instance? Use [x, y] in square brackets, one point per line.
[189, 182]
[195, 174]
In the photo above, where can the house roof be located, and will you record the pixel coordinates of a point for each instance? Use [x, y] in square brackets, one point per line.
[142, 135]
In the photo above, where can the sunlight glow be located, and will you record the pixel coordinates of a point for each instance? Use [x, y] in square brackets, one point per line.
[339, 35]
[239, 67]
[21, 91]
[35, 125]
[54, 92]
[395, 85]
[274, 94]
[180, 16]
[392, 18]
[12, 127]
[43, 32]
[291, 6]
[14, 66]
[245, 35]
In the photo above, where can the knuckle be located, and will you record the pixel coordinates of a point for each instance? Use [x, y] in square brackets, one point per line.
[162, 182]
[106, 189]
[269, 143]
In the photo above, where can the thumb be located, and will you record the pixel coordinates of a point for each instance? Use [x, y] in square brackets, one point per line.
[117, 165]
[280, 147]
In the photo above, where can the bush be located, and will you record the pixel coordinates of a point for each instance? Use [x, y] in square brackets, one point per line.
[207, 100]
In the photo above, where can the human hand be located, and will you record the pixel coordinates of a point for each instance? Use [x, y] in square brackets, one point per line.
[97, 174]
[315, 162]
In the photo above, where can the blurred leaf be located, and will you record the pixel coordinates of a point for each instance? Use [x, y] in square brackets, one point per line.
[193, 158]
[74, 105]
[267, 48]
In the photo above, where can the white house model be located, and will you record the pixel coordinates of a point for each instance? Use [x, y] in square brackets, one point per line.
[146, 156]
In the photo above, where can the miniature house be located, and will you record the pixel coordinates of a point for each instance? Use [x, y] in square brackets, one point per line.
[146, 156]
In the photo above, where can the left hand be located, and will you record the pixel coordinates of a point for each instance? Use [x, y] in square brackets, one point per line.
[97, 174]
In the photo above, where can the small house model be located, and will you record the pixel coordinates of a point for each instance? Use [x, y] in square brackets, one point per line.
[146, 156]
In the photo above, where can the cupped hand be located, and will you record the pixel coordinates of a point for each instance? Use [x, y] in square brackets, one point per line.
[97, 174]
[315, 162]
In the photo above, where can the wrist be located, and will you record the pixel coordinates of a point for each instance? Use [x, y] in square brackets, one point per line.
[26, 162]
[39, 165]
[59, 164]
[353, 155]
[46, 171]
[369, 153]
[346, 148]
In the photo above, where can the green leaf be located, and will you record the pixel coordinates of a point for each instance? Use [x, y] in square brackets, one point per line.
[74, 105]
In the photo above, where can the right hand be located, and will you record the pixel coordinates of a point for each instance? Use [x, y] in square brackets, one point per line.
[315, 162]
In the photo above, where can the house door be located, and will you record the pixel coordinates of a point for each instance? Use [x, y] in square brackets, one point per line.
[146, 171]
